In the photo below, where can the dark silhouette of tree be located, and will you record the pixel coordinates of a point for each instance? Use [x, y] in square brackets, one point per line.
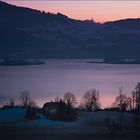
[133, 100]
[137, 96]
[25, 98]
[91, 100]
[122, 101]
[70, 99]
[32, 104]
[129, 103]
[12, 102]
[31, 113]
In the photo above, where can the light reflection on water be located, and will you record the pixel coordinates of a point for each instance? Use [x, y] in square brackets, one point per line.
[45, 82]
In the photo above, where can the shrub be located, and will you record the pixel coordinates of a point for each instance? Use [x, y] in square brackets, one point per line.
[31, 113]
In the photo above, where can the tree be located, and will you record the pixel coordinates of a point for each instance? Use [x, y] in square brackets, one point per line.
[122, 101]
[12, 102]
[32, 104]
[129, 103]
[25, 98]
[137, 96]
[133, 100]
[91, 100]
[69, 99]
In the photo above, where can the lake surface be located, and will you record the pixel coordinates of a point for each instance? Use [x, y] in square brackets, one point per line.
[56, 77]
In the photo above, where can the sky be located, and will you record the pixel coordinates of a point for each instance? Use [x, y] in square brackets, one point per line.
[100, 11]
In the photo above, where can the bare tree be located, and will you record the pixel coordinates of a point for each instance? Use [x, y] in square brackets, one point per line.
[91, 100]
[32, 104]
[69, 99]
[137, 96]
[12, 102]
[122, 101]
[25, 98]
[129, 103]
[121, 98]
[133, 100]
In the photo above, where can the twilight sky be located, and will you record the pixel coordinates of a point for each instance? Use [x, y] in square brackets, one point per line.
[100, 11]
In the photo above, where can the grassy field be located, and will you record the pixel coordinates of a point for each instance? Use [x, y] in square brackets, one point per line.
[90, 126]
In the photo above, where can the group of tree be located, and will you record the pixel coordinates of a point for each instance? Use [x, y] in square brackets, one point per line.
[89, 101]
[124, 102]
[24, 100]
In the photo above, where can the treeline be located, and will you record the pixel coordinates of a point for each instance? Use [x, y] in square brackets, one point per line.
[67, 107]
[24, 101]
[124, 102]
[89, 102]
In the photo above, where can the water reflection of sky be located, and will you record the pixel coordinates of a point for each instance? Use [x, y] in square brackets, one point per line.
[58, 76]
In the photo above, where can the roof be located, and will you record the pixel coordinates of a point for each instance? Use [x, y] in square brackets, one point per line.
[54, 104]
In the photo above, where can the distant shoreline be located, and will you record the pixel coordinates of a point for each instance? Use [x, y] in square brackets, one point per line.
[112, 63]
[20, 62]
[111, 60]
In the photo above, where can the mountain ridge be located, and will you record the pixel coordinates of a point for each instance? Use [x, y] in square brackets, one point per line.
[30, 33]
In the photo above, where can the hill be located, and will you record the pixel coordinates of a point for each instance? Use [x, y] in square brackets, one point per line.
[29, 33]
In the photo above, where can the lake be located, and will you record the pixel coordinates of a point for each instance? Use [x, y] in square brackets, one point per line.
[56, 77]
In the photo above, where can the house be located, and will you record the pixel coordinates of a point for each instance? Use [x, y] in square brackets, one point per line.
[58, 111]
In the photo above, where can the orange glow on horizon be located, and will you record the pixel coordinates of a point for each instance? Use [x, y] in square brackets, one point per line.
[99, 11]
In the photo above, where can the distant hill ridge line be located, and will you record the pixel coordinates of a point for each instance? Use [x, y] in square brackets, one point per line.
[42, 11]
[30, 33]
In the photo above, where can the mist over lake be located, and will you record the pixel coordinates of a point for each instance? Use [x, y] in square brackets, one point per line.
[56, 77]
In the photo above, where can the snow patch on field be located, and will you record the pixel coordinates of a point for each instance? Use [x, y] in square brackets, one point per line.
[87, 122]
[12, 115]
